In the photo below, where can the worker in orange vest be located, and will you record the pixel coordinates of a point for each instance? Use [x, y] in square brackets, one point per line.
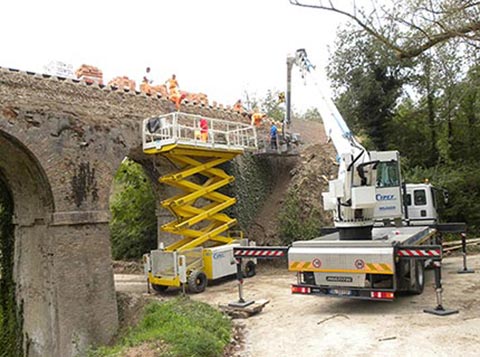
[174, 92]
[238, 107]
[257, 118]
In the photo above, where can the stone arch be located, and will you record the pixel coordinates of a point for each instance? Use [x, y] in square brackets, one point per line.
[33, 205]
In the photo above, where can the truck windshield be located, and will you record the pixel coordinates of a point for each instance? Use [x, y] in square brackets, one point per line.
[388, 174]
[419, 197]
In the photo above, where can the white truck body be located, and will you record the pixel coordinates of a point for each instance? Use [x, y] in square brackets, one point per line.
[329, 266]
[372, 221]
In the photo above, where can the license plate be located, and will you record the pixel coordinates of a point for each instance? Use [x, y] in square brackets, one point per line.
[342, 292]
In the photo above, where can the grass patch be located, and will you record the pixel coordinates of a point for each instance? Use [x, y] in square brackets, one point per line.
[183, 326]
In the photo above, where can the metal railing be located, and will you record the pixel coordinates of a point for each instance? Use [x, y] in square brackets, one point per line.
[196, 130]
[165, 264]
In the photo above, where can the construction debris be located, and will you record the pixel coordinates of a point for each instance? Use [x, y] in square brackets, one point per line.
[153, 90]
[200, 98]
[89, 74]
[123, 83]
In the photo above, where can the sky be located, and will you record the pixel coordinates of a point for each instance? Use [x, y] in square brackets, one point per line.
[223, 48]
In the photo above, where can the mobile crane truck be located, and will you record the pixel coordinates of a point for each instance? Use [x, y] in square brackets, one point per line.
[380, 245]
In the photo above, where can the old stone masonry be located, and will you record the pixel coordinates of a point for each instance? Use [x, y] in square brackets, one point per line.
[61, 142]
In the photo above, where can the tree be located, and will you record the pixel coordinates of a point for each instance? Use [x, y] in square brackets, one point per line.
[426, 84]
[410, 134]
[440, 74]
[269, 104]
[272, 106]
[368, 80]
[409, 27]
[434, 84]
[134, 224]
[311, 114]
[465, 143]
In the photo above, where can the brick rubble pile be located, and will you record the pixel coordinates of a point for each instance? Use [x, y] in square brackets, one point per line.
[123, 83]
[199, 98]
[89, 74]
[148, 89]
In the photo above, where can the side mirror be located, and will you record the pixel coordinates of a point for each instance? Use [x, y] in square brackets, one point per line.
[445, 196]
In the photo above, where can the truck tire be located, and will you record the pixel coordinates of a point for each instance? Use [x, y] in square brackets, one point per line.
[418, 279]
[249, 270]
[197, 282]
[159, 288]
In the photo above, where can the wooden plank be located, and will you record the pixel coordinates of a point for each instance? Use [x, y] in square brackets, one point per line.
[472, 240]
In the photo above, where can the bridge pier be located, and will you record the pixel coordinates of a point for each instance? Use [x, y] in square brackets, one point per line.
[35, 288]
[86, 306]
[65, 284]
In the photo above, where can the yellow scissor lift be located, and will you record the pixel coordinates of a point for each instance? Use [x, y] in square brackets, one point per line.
[205, 249]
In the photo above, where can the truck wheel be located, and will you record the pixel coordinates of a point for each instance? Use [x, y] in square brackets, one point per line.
[418, 280]
[197, 282]
[250, 269]
[159, 288]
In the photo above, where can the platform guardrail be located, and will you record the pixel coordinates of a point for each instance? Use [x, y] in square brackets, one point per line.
[199, 131]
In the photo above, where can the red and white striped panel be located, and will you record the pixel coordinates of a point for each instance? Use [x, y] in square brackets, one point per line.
[259, 253]
[419, 253]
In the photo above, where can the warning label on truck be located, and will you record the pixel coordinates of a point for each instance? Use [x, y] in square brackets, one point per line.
[317, 263]
[359, 264]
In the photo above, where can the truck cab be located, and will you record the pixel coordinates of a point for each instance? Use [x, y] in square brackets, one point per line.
[422, 202]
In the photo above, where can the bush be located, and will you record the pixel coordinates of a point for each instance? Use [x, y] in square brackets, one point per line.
[188, 328]
[463, 186]
[11, 337]
[295, 223]
[134, 224]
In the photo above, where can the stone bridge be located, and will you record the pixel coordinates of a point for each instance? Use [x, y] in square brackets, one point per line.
[61, 142]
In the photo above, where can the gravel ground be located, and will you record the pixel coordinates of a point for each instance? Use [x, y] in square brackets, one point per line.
[297, 325]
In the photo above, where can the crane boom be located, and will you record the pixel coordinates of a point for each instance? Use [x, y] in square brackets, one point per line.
[335, 127]
[368, 186]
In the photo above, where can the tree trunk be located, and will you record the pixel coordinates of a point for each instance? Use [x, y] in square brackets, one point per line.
[431, 116]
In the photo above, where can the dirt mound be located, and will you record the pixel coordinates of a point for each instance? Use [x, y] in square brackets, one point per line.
[310, 178]
[311, 131]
